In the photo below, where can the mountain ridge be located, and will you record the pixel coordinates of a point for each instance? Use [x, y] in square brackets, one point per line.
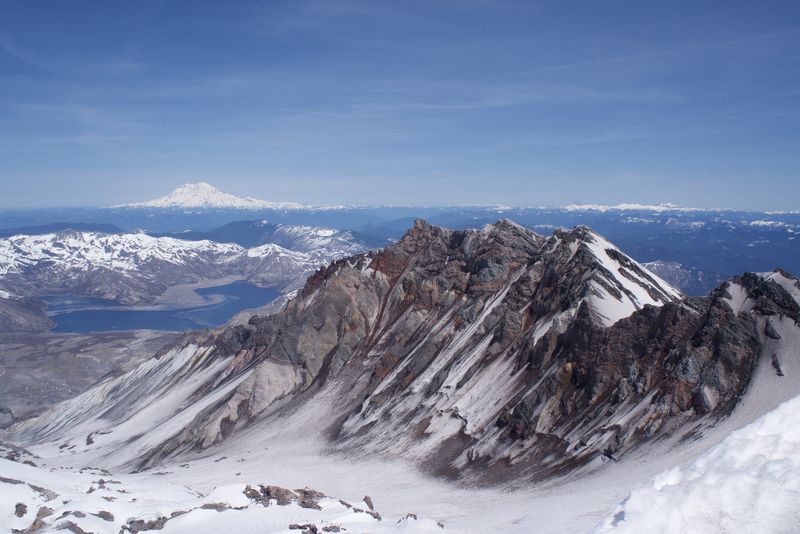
[481, 357]
[493, 353]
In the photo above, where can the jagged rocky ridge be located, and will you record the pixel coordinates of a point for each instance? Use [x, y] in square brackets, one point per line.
[496, 353]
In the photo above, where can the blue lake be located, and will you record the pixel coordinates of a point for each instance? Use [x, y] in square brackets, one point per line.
[83, 315]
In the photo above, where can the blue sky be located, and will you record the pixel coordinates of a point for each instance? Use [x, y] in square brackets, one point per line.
[434, 102]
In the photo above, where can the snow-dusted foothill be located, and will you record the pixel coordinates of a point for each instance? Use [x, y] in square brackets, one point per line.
[86, 251]
[136, 268]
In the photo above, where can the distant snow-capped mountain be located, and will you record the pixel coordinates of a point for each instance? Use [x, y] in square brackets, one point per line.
[75, 250]
[634, 206]
[689, 280]
[310, 239]
[203, 195]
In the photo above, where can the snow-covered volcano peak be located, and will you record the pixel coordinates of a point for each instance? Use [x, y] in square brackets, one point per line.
[204, 195]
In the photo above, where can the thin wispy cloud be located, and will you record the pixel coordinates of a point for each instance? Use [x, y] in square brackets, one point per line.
[363, 93]
[18, 53]
[644, 55]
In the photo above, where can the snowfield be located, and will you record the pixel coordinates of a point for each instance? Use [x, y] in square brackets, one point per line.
[748, 483]
[50, 500]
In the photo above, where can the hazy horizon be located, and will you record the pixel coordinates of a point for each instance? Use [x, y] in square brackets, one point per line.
[488, 205]
[367, 103]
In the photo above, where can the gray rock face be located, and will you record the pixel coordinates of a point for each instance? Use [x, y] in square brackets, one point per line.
[42, 369]
[496, 353]
[6, 418]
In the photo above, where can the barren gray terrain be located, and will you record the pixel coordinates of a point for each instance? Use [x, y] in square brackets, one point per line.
[38, 370]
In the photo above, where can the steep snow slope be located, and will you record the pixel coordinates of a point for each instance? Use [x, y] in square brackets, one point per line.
[619, 286]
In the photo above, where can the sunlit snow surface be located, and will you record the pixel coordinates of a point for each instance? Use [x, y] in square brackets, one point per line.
[97, 502]
[90, 250]
[748, 483]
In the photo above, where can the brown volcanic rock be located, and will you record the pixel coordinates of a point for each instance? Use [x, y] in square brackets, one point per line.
[428, 318]
[454, 307]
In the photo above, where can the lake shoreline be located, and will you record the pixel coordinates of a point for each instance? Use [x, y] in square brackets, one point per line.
[214, 305]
